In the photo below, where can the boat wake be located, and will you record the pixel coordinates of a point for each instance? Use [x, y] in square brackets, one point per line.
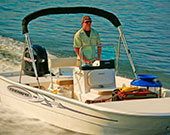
[11, 122]
[10, 54]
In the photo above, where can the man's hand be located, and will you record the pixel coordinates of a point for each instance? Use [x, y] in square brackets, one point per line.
[87, 61]
[98, 58]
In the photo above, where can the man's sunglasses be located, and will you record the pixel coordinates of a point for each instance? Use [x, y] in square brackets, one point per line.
[88, 22]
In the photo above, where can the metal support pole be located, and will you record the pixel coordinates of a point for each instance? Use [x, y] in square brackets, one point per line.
[22, 61]
[127, 51]
[118, 55]
[32, 58]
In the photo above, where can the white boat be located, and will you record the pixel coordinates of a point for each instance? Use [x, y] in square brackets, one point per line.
[86, 99]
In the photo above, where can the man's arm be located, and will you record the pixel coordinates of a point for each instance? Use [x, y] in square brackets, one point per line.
[99, 50]
[77, 50]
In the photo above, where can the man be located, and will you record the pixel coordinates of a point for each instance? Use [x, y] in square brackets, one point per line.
[87, 36]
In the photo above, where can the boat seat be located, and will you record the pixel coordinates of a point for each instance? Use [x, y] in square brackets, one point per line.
[63, 62]
[102, 91]
[64, 80]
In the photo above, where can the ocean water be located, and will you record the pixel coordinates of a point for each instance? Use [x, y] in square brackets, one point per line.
[146, 25]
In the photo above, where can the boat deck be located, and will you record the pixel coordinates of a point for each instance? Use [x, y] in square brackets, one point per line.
[65, 82]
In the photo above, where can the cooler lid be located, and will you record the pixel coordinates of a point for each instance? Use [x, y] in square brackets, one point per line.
[146, 81]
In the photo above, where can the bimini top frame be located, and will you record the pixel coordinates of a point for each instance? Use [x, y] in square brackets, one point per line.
[71, 10]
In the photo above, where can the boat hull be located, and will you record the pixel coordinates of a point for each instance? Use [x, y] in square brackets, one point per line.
[79, 117]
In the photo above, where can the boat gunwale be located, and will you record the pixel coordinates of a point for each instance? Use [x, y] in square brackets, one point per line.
[88, 106]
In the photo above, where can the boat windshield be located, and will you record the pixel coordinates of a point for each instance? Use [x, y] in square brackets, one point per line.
[93, 55]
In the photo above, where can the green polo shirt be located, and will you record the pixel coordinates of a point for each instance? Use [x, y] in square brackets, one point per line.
[81, 39]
